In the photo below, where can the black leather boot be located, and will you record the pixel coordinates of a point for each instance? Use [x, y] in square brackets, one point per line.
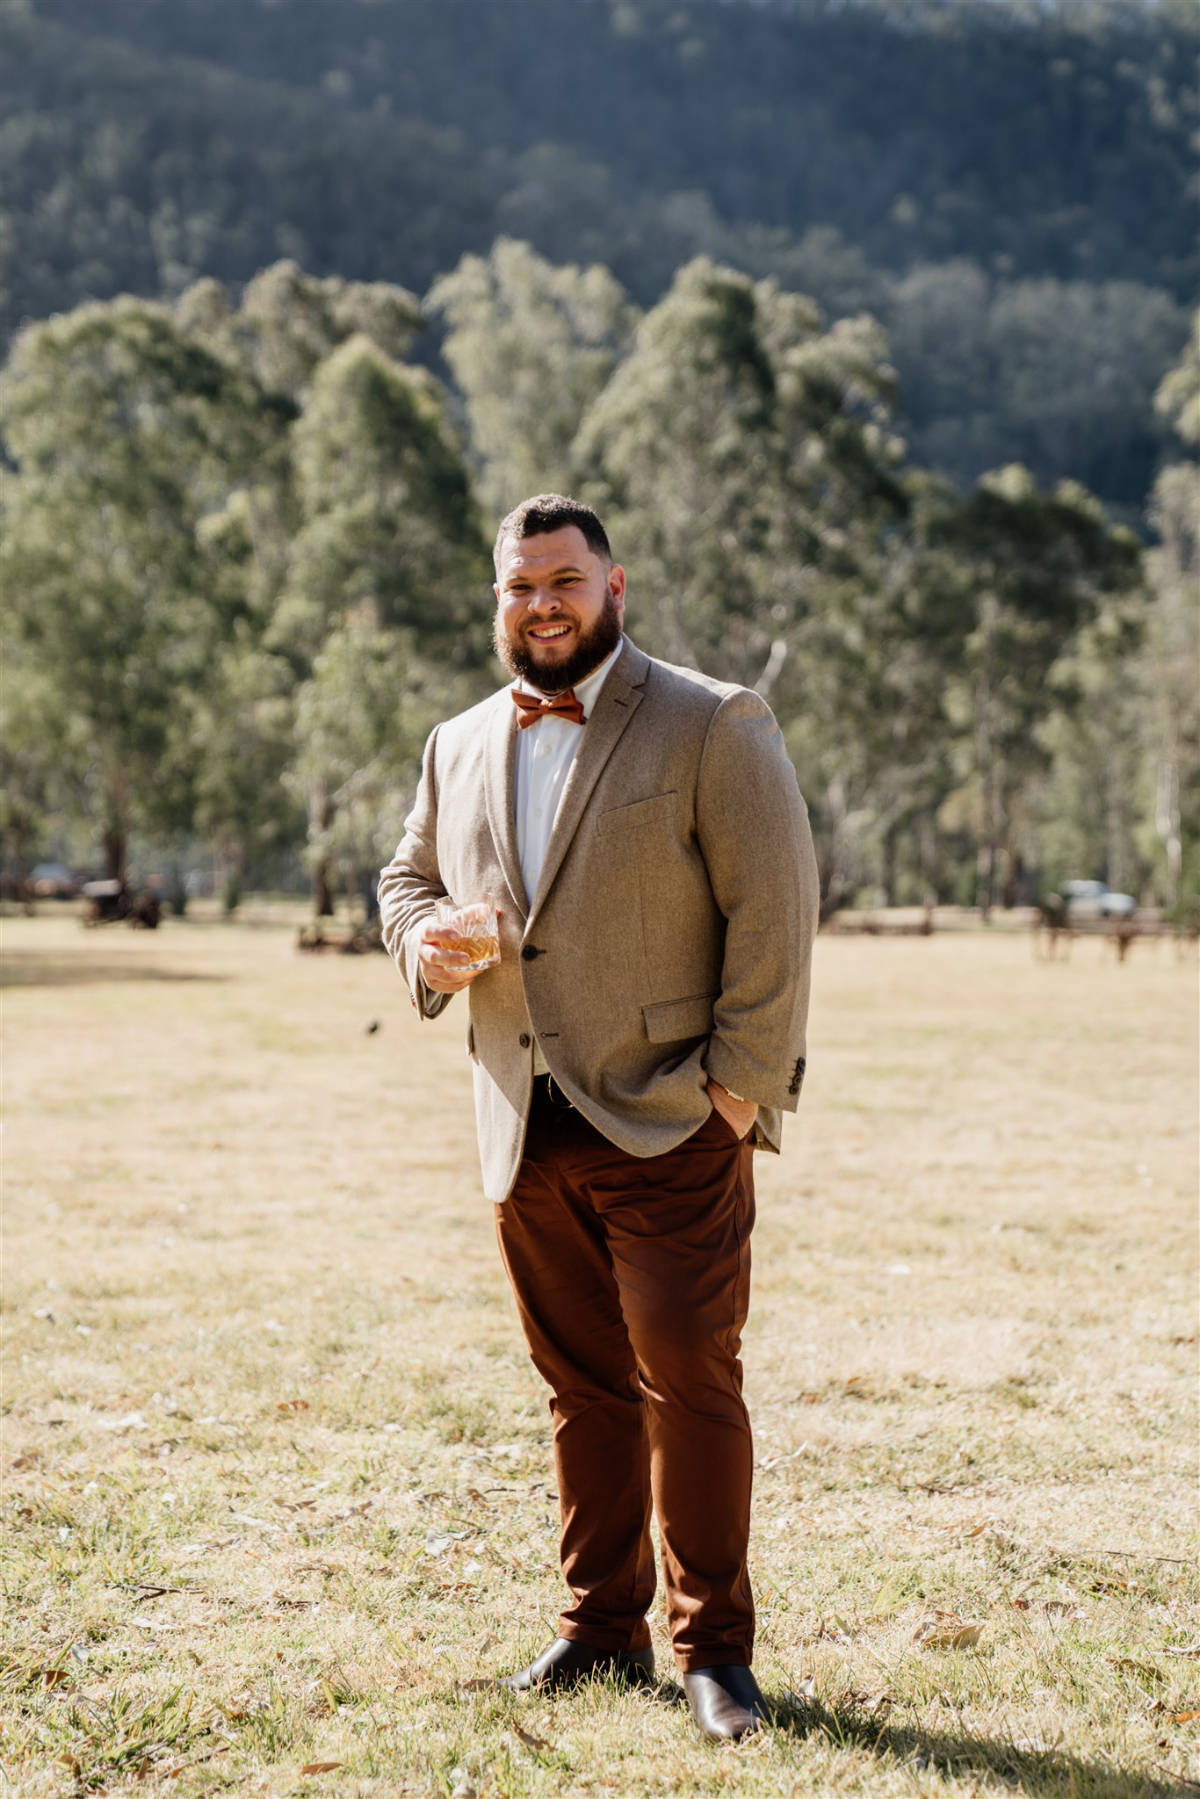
[566, 1663]
[725, 1701]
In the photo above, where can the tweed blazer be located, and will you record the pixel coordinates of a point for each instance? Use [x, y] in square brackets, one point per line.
[670, 936]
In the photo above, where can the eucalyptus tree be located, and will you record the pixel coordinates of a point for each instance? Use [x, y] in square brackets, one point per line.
[287, 322]
[530, 346]
[742, 456]
[125, 435]
[387, 584]
[1028, 570]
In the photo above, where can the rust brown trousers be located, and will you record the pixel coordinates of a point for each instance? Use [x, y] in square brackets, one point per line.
[632, 1279]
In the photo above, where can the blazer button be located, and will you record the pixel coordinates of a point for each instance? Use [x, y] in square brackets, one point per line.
[530, 952]
[524, 1039]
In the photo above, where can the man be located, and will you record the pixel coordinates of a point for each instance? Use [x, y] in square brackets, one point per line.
[639, 830]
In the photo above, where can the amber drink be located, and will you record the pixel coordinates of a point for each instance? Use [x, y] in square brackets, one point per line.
[475, 927]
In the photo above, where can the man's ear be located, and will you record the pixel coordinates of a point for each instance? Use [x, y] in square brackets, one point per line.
[616, 587]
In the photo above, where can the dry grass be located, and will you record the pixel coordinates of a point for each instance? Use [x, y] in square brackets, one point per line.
[275, 1465]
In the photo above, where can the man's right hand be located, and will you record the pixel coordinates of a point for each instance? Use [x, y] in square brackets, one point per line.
[445, 968]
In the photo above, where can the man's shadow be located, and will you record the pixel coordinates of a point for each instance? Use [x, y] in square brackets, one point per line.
[1047, 1773]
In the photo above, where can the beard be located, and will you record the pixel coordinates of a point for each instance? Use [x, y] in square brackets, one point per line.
[592, 646]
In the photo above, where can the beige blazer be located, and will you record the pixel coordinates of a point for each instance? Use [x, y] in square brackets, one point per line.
[671, 933]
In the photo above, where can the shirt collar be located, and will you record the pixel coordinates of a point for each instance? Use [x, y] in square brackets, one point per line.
[587, 691]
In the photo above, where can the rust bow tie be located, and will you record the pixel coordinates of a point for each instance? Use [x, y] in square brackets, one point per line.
[531, 706]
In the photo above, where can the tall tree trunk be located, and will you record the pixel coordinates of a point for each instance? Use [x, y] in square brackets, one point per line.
[18, 831]
[115, 849]
[322, 890]
[890, 839]
[115, 835]
[834, 889]
[1169, 823]
[320, 817]
[990, 823]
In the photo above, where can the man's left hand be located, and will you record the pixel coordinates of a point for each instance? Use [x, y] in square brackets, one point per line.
[739, 1114]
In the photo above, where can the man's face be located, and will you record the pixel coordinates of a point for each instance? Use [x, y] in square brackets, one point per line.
[559, 608]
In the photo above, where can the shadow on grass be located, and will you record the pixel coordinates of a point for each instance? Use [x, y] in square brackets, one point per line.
[1048, 1773]
[66, 971]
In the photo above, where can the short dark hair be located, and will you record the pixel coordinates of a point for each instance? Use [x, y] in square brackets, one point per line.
[550, 512]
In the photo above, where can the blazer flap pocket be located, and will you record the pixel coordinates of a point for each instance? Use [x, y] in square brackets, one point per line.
[674, 1019]
[658, 809]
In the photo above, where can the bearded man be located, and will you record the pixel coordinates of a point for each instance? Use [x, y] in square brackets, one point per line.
[639, 831]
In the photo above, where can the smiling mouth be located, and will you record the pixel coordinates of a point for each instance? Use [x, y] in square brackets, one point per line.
[548, 633]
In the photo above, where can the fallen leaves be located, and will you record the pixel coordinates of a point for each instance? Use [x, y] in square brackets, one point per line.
[52, 1677]
[1062, 1611]
[832, 1630]
[1143, 1671]
[946, 1630]
[539, 1744]
[319, 1767]
[1188, 1714]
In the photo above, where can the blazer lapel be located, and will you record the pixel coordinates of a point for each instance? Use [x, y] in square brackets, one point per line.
[500, 787]
[619, 699]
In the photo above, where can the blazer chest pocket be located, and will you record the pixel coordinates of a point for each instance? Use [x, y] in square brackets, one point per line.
[674, 1019]
[641, 815]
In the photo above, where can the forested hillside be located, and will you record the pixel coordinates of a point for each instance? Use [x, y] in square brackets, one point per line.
[1014, 200]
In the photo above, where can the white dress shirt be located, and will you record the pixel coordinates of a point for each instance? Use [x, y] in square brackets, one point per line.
[545, 753]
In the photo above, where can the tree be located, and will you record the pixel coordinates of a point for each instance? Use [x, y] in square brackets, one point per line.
[389, 556]
[125, 435]
[530, 347]
[742, 457]
[361, 719]
[735, 451]
[1057, 375]
[288, 322]
[1030, 570]
[1178, 397]
[242, 736]
[41, 764]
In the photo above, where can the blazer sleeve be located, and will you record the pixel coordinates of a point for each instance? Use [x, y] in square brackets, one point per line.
[753, 830]
[410, 885]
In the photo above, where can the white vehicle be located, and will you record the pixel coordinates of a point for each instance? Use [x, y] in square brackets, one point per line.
[1092, 899]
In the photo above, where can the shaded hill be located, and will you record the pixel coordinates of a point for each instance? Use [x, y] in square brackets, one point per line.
[1061, 148]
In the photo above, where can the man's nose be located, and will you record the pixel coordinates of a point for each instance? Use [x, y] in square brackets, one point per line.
[543, 600]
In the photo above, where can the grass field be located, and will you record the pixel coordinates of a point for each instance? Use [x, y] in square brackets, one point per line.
[277, 1492]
